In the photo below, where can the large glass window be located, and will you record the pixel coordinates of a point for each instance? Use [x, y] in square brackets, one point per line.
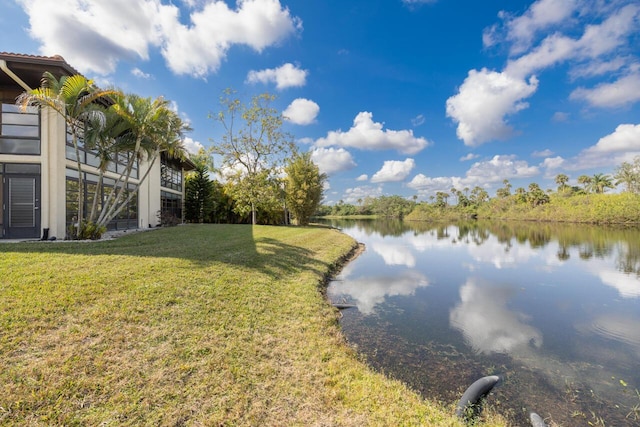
[90, 157]
[126, 219]
[171, 175]
[19, 132]
[171, 207]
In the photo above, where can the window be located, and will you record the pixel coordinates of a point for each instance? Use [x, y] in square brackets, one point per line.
[19, 132]
[170, 175]
[90, 157]
[171, 206]
[126, 219]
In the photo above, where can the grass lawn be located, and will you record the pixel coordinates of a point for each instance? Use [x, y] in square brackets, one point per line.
[192, 325]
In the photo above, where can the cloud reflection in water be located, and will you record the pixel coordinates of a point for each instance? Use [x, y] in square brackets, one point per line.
[394, 254]
[486, 322]
[370, 291]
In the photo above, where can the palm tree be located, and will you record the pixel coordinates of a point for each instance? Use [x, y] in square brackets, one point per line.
[629, 175]
[521, 194]
[74, 98]
[585, 181]
[154, 129]
[536, 196]
[454, 192]
[561, 180]
[106, 139]
[600, 182]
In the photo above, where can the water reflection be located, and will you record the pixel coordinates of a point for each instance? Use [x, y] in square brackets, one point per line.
[488, 325]
[394, 254]
[368, 292]
[627, 285]
[619, 328]
[555, 308]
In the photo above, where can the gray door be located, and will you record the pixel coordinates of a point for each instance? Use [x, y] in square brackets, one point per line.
[22, 207]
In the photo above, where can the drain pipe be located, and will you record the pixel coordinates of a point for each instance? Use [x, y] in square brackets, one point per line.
[5, 68]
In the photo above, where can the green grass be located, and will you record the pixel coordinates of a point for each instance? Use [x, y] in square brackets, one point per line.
[193, 325]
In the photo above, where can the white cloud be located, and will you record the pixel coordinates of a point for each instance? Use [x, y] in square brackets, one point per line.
[553, 163]
[623, 91]
[394, 171]
[352, 195]
[306, 140]
[490, 36]
[543, 153]
[287, 75]
[94, 35]
[366, 134]
[332, 160]
[498, 169]
[191, 146]
[468, 157]
[418, 2]
[598, 68]
[301, 111]
[597, 40]
[363, 177]
[141, 74]
[611, 150]
[626, 137]
[541, 14]
[610, 34]
[418, 120]
[487, 97]
[426, 185]
[560, 117]
[554, 49]
[482, 174]
[483, 101]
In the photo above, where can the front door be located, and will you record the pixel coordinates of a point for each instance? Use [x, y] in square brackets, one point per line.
[21, 206]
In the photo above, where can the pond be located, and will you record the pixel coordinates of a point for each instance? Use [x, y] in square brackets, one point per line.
[553, 309]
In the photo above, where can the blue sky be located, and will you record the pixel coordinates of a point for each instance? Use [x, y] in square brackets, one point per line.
[403, 97]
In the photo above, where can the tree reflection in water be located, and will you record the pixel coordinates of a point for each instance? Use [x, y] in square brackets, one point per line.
[553, 307]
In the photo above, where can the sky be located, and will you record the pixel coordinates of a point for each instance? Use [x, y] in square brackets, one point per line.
[391, 97]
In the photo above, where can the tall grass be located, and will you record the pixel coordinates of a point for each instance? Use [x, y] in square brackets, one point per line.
[194, 325]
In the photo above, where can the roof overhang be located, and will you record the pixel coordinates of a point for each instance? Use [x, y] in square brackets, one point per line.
[30, 68]
[187, 164]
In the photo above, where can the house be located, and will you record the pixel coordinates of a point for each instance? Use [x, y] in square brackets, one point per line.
[38, 170]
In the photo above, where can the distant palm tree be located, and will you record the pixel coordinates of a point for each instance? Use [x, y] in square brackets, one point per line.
[585, 181]
[600, 182]
[561, 180]
[629, 175]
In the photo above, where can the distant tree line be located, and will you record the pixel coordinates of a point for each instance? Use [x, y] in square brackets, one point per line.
[585, 202]
[383, 206]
